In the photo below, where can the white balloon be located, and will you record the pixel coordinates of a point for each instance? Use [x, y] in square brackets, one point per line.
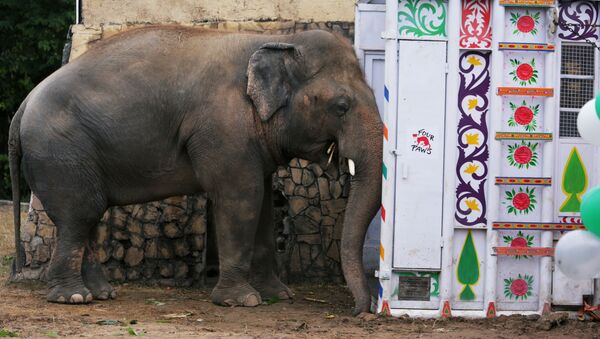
[588, 123]
[577, 255]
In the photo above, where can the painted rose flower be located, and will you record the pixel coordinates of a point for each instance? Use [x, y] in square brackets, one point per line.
[524, 116]
[521, 201]
[524, 73]
[523, 155]
[519, 287]
[525, 23]
[520, 240]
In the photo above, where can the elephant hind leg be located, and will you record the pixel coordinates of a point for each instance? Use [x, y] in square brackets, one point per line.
[93, 276]
[75, 204]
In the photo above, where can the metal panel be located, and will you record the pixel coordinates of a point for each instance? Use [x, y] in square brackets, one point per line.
[371, 24]
[420, 154]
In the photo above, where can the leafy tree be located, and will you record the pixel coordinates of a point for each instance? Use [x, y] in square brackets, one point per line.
[32, 37]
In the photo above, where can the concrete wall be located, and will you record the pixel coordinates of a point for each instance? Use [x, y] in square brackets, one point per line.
[103, 12]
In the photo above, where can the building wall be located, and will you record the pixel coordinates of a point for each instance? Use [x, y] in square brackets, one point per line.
[103, 12]
[161, 241]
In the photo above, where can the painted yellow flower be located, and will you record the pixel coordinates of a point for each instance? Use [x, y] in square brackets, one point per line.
[474, 61]
[473, 205]
[471, 169]
[472, 103]
[472, 139]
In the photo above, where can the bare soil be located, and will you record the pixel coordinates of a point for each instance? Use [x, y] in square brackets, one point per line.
[317, 311]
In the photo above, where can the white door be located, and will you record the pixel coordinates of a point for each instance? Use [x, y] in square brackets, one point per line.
[420, 155]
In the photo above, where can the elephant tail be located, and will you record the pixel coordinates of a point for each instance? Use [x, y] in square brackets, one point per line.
[14, 160]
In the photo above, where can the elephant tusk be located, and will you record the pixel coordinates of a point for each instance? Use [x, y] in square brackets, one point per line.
[330, 154]
[331, 148]
[351, 167]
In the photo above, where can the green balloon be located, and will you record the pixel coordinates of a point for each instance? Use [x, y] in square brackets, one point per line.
[590, 210]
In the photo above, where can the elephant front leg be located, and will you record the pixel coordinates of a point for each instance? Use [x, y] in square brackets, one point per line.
[236, 218]
[93, 276]
[263, 276]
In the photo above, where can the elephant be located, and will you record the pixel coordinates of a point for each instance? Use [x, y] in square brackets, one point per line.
[162, 111]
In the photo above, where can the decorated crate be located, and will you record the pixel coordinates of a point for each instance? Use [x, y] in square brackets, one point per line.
[483, 167]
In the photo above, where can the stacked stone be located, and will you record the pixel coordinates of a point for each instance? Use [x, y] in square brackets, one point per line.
[160, 242]
[314, 219]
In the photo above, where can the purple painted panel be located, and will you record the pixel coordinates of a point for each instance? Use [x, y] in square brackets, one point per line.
[583, 14]
[473, 153]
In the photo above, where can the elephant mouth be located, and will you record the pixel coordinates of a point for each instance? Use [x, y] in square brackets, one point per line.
[330, 155]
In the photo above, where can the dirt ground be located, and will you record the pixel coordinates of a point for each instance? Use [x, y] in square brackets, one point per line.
[317, 311]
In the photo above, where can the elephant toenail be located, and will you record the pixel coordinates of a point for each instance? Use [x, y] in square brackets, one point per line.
[76, 298]
[113, 294]
[89, 298]
[230, 302]
[102, 296]
[283, 295]
[252, 300]
[61, 299]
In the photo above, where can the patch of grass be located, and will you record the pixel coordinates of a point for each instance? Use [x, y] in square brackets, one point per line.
[4, 333]
[52, 334]
[5, 262]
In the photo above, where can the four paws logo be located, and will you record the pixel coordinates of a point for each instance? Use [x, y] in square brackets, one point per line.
[422, 142]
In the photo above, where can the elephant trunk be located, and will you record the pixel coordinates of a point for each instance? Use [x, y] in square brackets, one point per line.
[363, 203]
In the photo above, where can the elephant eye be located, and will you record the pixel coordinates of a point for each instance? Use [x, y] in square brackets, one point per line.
[343, 106]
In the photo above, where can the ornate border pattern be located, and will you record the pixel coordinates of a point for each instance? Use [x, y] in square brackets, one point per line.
[519, 46]
[530, 91]
[584, 14]
[523, 136]
[529, 251]
[473, 153]
[536, 3]
[476, 28]
[543, 226]
[524, 181]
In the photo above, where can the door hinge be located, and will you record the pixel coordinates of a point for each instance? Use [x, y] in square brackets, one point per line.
[383, 275]
[389, 35]
[447, 68]
[442, 243]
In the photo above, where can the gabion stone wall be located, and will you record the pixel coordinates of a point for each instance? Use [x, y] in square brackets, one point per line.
[312, 221]
[160, 242]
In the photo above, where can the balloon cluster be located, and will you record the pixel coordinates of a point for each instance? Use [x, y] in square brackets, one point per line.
[578, 252]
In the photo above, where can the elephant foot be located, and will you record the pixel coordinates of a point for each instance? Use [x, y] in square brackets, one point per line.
[272, 288]
[69, 295]
[101, 290]
[242, 295]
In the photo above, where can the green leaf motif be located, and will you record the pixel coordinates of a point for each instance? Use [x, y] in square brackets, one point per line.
[468, 268]
[574, 182]
[422, 18]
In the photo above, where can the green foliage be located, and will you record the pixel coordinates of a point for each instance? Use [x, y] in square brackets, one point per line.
[4, 333]
[33, 36]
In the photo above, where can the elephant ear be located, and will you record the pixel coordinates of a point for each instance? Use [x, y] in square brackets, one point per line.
[271, 77]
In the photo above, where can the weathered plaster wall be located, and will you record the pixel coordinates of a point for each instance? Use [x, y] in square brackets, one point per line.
[103, 12]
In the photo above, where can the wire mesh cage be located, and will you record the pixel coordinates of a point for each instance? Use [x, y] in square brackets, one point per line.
[576, 85]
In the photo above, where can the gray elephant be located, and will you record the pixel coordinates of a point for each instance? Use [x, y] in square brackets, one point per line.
[157, 112]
